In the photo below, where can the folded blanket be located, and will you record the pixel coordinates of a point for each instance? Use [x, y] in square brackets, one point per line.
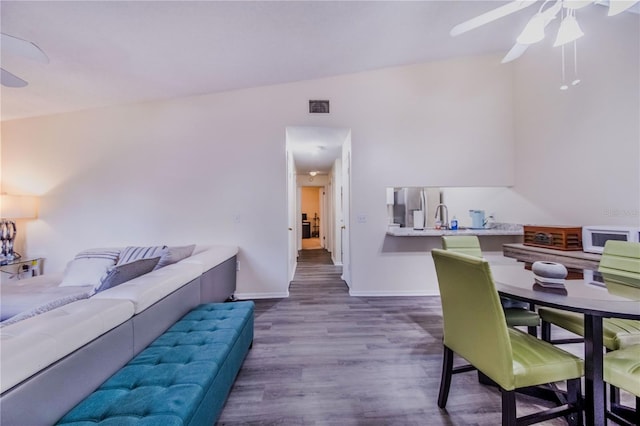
[25, 298]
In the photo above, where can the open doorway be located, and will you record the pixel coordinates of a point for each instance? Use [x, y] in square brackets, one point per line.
[310, 201]
[318, 192]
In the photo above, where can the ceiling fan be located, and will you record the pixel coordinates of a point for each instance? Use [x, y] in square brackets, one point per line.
[19, 47]
[534, 30]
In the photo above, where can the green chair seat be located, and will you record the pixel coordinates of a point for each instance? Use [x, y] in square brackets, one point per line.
[536, 362]
[622, 369]
[616, 333]
[521, 317]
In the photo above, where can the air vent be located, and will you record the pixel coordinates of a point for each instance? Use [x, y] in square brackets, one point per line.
[318, 107]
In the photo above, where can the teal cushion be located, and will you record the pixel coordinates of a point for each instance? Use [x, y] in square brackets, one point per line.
[182, 378]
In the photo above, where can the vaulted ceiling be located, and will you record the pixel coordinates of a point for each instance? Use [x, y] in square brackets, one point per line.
[117, 52]
[104, 53]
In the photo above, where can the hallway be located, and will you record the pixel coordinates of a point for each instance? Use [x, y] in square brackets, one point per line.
[322, 357]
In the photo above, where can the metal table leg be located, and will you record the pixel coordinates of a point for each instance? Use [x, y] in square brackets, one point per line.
[593, 376]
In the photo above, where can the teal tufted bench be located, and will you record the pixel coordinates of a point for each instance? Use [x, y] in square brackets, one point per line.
[182, 378]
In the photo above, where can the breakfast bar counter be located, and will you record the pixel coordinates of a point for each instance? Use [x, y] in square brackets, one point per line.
[432, 232]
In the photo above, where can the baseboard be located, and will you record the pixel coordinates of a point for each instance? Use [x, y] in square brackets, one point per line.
[389, 293]
[251, 296]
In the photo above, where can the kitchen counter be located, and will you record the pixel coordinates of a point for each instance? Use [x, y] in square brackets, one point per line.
[497, 229]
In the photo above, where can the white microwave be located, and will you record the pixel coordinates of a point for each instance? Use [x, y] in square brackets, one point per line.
[594, 237]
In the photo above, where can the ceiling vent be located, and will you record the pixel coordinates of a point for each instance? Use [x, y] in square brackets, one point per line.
[318, 107]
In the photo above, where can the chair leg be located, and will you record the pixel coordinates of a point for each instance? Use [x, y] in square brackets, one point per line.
[531, 329]
[545, 330]
[508, 407]
[445, 380]
[614, 396]
[574, 398]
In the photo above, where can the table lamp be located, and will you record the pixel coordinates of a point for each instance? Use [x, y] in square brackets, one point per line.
[14, 207]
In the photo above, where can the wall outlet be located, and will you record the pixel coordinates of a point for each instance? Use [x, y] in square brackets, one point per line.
[362, 218]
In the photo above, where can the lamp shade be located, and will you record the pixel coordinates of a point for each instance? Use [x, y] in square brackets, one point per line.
[18, 206]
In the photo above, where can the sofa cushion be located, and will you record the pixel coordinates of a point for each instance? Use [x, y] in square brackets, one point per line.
[34, 343]
[128, 271]
[211, 256]
[132, 253]
[149, 288]
[86, 271]
[172, 255]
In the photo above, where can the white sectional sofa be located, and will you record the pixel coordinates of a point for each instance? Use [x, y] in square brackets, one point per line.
[50, 362]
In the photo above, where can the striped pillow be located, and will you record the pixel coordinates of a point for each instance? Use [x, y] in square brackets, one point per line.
[99, 253]
[132, 253]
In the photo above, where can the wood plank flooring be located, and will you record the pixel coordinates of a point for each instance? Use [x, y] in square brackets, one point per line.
[322, 357]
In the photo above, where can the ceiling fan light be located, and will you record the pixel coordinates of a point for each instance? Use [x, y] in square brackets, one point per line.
[569, 31]
[534, 30]
[619, 6]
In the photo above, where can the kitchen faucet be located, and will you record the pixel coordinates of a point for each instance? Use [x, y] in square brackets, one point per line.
[439, 208]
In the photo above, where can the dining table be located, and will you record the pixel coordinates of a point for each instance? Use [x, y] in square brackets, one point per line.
[594, 295]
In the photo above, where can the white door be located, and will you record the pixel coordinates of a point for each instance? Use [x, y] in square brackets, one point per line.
[346, 210]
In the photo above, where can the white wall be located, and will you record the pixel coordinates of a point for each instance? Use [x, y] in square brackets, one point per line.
[198, 169]
[578, 151]
[211, 169]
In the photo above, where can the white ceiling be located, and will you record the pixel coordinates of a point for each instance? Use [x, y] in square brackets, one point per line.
[116, 52]
[106, 53]
[315, 148]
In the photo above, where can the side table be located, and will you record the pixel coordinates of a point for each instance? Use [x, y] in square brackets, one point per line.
[20, 268]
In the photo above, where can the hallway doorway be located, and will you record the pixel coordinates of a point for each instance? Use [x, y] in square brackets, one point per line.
[318, 193]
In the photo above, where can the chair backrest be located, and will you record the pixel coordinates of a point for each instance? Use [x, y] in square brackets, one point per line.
[474, 322]
[621, 258]
[467, 244]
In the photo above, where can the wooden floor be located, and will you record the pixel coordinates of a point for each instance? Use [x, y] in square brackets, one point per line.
[322, 357]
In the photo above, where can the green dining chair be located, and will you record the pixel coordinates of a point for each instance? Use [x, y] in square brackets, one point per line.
[620, 258]
[516, 313]
[475, 329]
[622, 370]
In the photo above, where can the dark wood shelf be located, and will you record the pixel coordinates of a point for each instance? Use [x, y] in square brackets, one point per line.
[570, 259]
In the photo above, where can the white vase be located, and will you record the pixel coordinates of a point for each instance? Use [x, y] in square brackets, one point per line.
[549, 270]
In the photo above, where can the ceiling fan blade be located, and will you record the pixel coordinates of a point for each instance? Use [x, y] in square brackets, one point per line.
[619, 6]
[10, 80]
[23, 48]
[516, 51]
[491, 16]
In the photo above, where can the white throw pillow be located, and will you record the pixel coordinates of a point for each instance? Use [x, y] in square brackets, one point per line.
[86, 271]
